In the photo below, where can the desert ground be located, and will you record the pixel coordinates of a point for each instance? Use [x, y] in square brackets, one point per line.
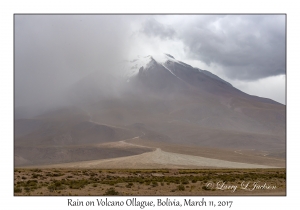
[128, 182]
[143, 163]
[158, 159]
[162, 170]
[158, 155]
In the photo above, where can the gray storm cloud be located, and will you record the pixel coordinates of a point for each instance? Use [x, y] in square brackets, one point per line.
[247, 47]
[52, 52]
[151, 27]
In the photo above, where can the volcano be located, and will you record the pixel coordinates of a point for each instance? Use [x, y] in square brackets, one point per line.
[149, 103]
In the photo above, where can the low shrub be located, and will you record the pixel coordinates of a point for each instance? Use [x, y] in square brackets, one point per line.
[181, 187]
[17, 190]
[111, 191]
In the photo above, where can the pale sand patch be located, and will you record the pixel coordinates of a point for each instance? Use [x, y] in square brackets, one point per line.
[159, 159]
[123, 144]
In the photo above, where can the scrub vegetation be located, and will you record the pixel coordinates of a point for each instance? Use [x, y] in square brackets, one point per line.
[147, 182]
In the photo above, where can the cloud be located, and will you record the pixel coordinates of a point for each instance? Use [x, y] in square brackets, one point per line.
[247, 47]
[54, 51]
[271, 87]
[151, 27]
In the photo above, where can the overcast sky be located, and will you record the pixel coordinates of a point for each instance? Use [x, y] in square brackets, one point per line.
[53, 51]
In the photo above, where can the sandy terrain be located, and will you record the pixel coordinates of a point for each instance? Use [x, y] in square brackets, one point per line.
[232, 155]
[158, 159]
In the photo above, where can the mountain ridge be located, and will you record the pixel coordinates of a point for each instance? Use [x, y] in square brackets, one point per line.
[156, 99]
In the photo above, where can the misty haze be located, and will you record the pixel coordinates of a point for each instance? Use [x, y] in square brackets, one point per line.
[149, 92]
